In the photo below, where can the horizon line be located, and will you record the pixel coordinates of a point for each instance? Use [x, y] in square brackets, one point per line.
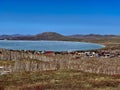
[60, 33]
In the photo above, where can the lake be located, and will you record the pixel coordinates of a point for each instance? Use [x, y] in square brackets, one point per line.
[48, 45]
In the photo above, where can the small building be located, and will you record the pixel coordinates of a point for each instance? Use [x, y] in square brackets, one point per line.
[49, 53]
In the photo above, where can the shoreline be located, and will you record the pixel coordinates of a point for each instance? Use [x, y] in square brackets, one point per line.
[49, 57]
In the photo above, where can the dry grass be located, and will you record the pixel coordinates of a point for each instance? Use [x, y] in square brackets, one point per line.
[6, 63]
[64, 79]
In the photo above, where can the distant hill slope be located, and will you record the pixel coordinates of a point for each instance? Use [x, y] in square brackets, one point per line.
[93, 36]
[50, 36]
[41, 36]
[56, 36]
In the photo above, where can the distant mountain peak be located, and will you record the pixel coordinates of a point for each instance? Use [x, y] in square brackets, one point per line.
[50, 36]
[49, 33]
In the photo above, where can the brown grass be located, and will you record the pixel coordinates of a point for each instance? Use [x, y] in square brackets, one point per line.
[64, 79]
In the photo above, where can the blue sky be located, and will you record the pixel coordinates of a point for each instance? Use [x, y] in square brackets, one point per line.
[62, 16]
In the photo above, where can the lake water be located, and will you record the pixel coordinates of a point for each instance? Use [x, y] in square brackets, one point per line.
[48, 45]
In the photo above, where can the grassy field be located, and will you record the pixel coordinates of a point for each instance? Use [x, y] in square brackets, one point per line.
[59, 80]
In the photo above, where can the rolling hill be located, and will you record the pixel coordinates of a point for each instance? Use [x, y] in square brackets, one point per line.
[56, 36]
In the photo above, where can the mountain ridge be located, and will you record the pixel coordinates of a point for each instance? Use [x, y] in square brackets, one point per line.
[60, 37]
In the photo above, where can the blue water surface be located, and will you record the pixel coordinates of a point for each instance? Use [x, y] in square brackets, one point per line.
[48, 45]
